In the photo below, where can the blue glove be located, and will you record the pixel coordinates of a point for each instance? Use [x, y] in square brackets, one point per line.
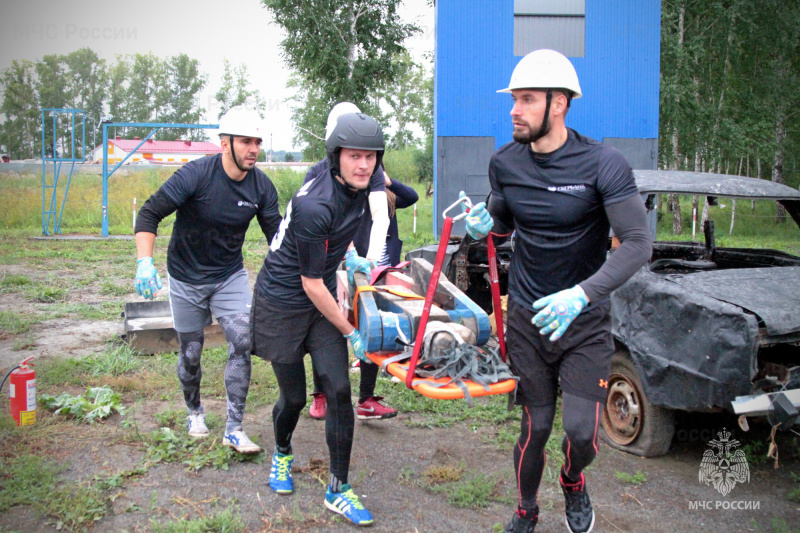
[353, 263]
[147, 279]
[560, 309]
[479, 221]
[358, 346]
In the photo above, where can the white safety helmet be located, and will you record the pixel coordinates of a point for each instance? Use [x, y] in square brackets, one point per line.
[241, 122]
[342, 108]
[544, 69]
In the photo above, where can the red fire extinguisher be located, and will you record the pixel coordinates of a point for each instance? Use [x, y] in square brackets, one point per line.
[22, 393]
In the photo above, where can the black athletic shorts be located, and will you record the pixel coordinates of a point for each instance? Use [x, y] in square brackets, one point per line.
[283, 335]
[581, 357]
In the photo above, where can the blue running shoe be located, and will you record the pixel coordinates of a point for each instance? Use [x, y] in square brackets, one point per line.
[346, 503]
[280, 476]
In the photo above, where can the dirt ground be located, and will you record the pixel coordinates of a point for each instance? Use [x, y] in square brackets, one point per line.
[388, 460]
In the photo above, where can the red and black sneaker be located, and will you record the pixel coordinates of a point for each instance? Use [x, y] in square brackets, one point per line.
[523, 521]
[580, 516]
[319, 406]
[373, 409]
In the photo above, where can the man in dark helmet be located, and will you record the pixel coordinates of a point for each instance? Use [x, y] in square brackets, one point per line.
[215, 197]
[295, 310]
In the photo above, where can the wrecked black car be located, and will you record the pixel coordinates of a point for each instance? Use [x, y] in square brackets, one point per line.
[701, 328]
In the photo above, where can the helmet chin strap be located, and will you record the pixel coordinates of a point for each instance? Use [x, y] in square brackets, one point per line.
[236, 161]
[543, 129]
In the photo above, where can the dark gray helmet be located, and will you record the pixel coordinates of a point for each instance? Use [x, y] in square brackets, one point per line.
[357, 131]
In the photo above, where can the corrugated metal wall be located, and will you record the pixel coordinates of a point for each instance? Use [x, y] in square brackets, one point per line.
[619, 74]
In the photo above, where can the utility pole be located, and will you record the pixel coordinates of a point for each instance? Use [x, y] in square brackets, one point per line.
[270, 147]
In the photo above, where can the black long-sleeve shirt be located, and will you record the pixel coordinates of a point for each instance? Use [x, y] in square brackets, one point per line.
[562, 205]
[213, 215]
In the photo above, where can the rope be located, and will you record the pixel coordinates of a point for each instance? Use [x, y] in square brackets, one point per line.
[459, 363]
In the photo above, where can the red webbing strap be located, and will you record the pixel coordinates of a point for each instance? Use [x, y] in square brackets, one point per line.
[496, 302]
[444, 239]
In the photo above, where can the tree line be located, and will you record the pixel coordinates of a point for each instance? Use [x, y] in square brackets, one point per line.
[728, 98]
[134, 88]
[729, 101]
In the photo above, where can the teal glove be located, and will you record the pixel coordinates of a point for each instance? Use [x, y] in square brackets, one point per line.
[147, 279]
[479, 222]
[358, 346]
[560, 309]
[353, 263]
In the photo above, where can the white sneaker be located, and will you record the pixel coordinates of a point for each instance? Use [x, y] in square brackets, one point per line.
[237, 439]
[197, 425]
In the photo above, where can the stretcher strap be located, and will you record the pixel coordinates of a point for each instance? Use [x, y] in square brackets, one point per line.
[371, 288]
[459, 363]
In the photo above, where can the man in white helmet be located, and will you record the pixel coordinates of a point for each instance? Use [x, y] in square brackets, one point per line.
[560, 191]
[215, 197]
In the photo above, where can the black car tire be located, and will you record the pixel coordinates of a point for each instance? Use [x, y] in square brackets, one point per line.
[630, 422]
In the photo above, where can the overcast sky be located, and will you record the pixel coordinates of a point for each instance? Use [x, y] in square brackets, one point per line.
[207, 30]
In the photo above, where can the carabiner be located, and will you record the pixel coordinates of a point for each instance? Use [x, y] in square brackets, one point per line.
[466, 201]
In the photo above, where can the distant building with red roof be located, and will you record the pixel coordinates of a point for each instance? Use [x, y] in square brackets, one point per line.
[156, 152]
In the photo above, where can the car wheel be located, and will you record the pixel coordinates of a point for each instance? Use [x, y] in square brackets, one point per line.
[630, 422]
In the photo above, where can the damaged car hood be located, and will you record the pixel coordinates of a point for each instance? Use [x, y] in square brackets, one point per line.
[769, 293]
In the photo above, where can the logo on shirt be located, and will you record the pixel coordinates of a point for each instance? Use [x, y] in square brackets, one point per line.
[242, 203]
[567, 188]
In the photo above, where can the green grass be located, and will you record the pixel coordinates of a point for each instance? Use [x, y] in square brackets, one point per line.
[753, 228]
[227, 521]
[44, 293]
[115, 360]
[109, 288]
[634, 479]
[11, 282]
[12, 323]
[473, 490]
[778, 525]
[30, 480]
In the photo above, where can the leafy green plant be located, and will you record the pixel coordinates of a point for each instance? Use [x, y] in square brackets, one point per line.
[636, 479]
[169, 446]
[96, 404]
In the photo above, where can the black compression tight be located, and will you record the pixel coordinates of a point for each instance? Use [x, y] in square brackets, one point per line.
[580, 419]
[331, 364]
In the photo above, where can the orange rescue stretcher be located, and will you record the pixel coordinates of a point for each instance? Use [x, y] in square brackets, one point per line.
[438, 388]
